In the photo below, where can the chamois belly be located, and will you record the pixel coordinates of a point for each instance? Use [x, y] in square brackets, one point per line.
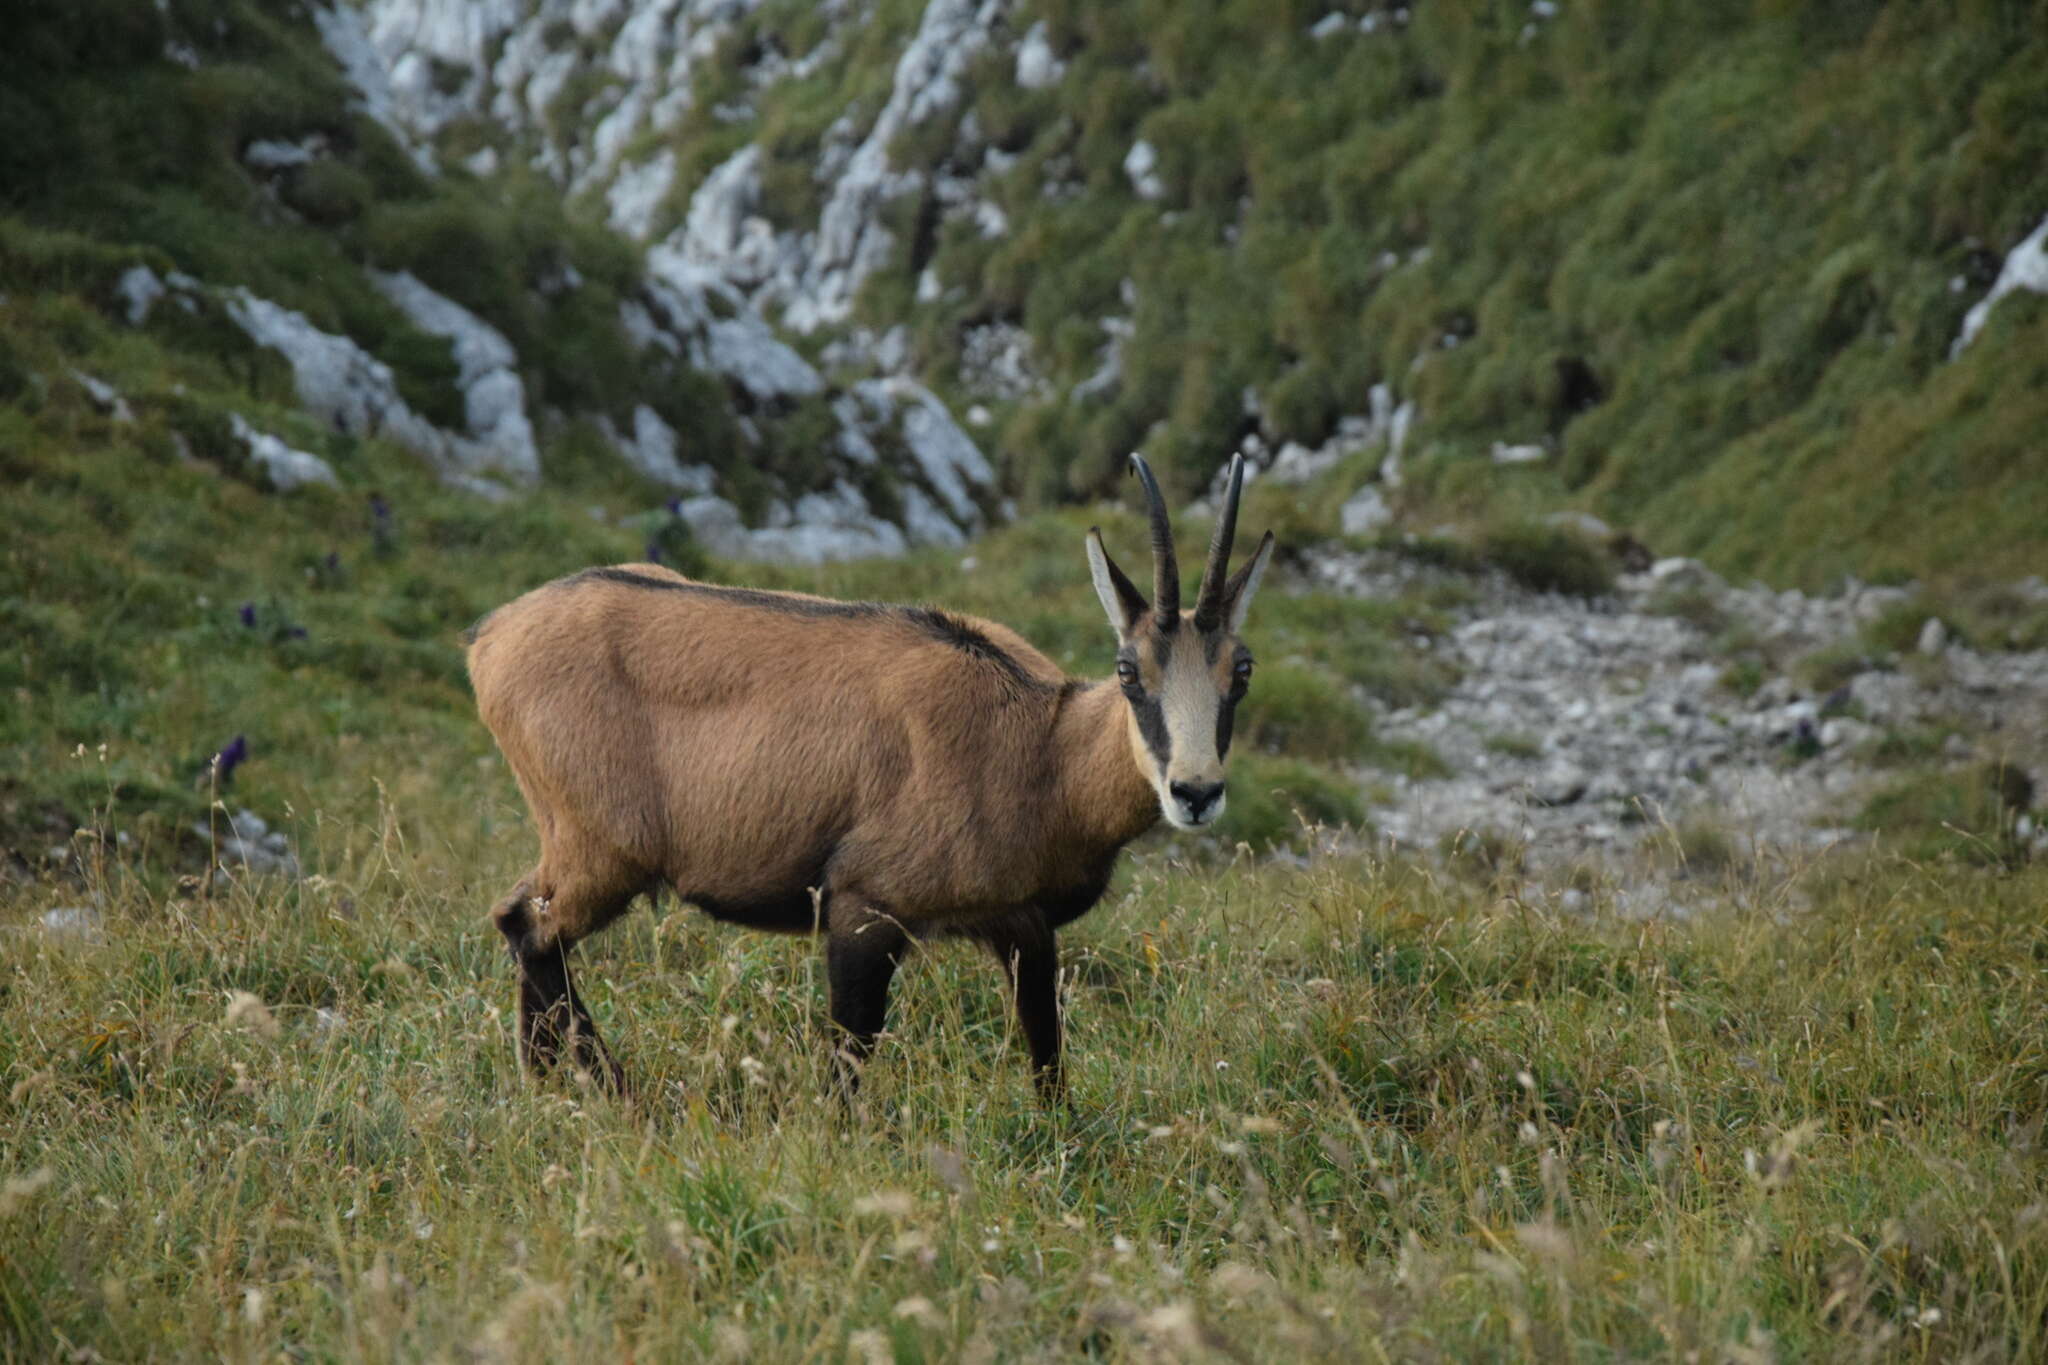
[776, 912]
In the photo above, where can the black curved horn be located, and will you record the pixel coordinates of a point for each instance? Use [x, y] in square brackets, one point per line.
[1209, 602]
[1165, 567]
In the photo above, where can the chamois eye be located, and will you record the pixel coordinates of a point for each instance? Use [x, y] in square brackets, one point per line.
[1242, 674]
[1126, 672]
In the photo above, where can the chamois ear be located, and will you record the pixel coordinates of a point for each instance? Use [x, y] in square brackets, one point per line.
[1120, 597]
[1237, 593]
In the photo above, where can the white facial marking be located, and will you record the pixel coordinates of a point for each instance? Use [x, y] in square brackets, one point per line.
[1188, 703]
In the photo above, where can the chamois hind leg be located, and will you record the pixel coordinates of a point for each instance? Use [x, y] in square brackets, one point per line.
[862, 950]
[553, 1020]
[1025, 946]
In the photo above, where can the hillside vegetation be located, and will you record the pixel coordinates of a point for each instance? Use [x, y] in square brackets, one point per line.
[1711, 257]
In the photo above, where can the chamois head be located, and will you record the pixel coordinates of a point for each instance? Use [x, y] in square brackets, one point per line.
[1182, 672]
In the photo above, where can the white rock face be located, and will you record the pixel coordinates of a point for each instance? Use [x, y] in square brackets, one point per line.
[926, 524]
[285, 467]
[651, 448]
[269, 154]
[1365, 511]
[336, 379]
[947, 455]
[1038, 67]
[138, 289]
[1141, 165]
[104, 396]
[681, 313]
[820, 528]
[851, 243]
[721, 219]
[493, 396]
[743, 348]
[636, 196]
[715, 279]
[348, 39]
[1109, 361]
[996, 361]
[415, 37]
[2026, 267]
[345, 385]
[738, 345]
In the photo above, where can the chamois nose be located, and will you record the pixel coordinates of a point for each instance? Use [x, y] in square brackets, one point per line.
[1198, 799]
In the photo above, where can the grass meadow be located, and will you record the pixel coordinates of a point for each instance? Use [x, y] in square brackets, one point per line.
[1325, 1106]
[1342, 1110]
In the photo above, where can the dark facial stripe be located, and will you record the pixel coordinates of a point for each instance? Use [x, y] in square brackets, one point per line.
[1226, 717]
[1152, 727]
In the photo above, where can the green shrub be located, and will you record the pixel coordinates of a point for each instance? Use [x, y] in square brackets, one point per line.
[1270, 798]
[1303, 711]
[1548, 559]
[1744, 677]
[328, 193]
[1967, 813]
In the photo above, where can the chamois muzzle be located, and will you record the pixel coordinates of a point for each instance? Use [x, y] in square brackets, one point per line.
[1200, 802]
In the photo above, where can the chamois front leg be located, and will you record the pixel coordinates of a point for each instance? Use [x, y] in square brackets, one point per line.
[1026, 947]
[862, 950]
[552, 1016]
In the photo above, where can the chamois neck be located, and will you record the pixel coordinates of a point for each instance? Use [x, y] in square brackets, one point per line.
[1105, 798]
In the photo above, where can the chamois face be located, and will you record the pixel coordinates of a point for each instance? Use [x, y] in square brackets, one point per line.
[1183, 686]
[1182, 673]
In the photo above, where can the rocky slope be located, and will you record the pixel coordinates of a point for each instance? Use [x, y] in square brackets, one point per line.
[1055, 217]
[267, 187]
[1682, 713]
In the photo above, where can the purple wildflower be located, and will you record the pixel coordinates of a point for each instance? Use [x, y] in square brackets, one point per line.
[247, 613]
[229, 758]
[675, 506]
[653, 552]
[382, 534]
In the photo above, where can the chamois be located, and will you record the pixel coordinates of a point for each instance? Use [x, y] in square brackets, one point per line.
[872, 773]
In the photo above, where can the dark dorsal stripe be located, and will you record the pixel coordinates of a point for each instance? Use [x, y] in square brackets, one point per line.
[930, 622]
[951, 630]
[786, 603]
